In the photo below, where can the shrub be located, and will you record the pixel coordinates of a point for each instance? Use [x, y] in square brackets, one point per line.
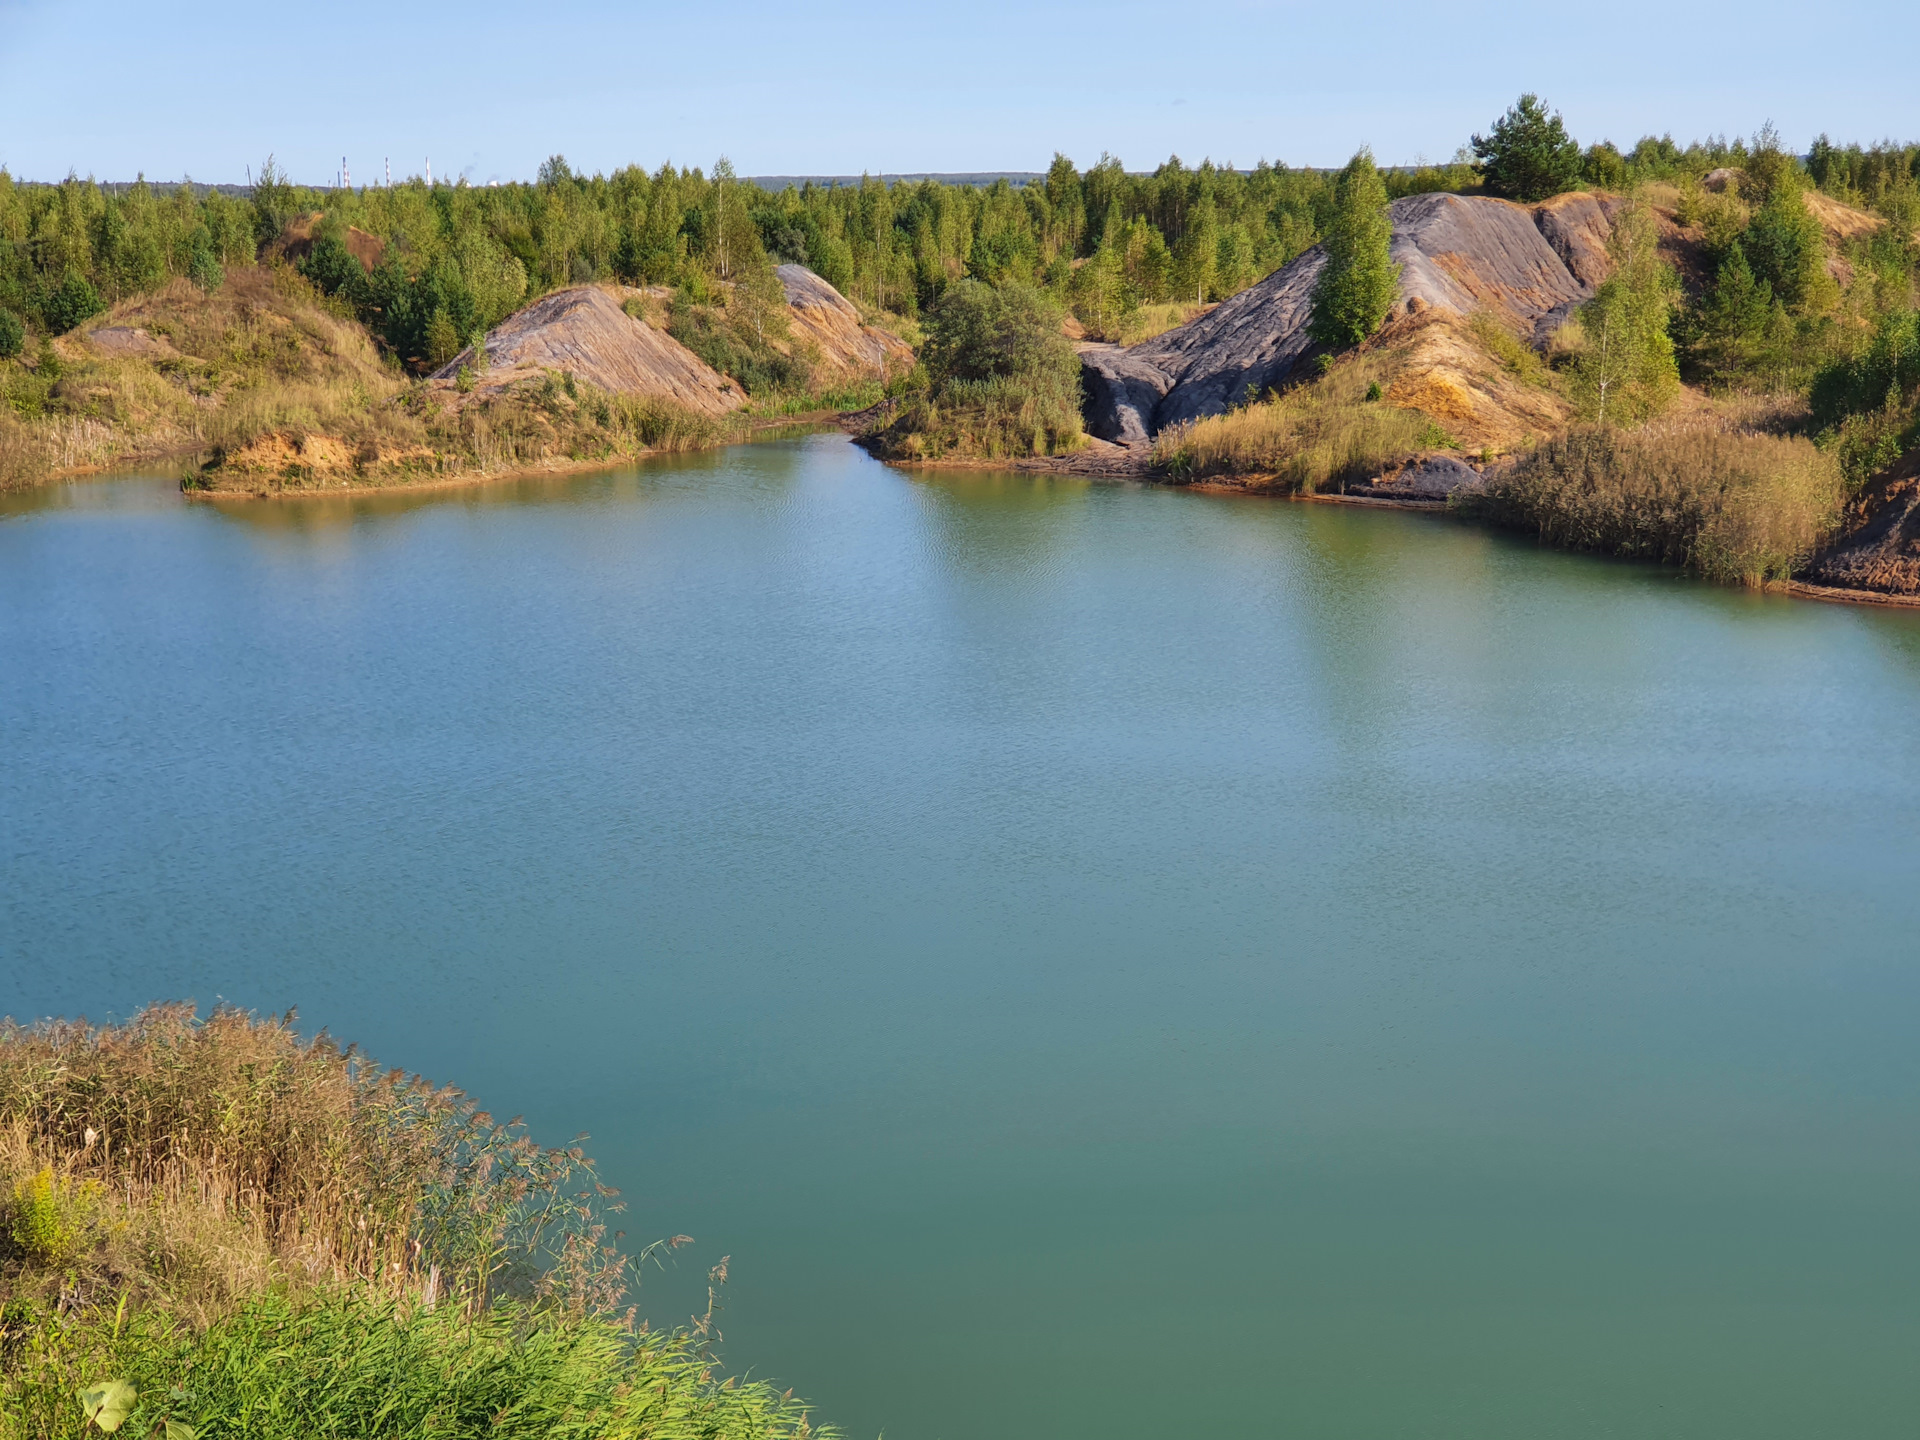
[1001, 379]
[42, 1227]
[733, 340]
[1529, 156]
[13, 335]
[1879, 376]
[205, 270]
[72, 304]
[331, 266]
[1736, 507]
[979, 333]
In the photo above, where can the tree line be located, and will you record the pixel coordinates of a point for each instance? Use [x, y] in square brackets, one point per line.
[1101, 241]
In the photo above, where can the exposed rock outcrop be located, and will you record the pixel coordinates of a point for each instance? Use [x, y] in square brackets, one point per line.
[583, 331]
[1122, 392]
[824, 318]
[1458, 254]
[1577, 226]
[131, 340]
[1429, 477]
[1879, 544]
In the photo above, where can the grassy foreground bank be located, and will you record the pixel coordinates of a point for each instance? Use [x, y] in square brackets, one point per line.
[213, 1228]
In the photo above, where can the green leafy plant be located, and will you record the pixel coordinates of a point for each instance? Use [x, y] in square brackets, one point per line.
[108, 1403]
[41, 1220]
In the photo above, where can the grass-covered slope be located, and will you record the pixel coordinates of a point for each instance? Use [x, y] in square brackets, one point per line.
[277, 388]
[248, 1234]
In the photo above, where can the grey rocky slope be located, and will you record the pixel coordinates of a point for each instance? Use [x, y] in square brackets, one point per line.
[1456, 252]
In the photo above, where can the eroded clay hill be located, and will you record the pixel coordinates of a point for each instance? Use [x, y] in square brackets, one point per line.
[827, 321]
[584, 331]
[1528, 268]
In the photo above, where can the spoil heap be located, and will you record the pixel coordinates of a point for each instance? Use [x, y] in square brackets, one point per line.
[825, 319]
[584, 332]
[1458, 255]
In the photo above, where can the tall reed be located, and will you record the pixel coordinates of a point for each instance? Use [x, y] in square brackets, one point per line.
[1734, 506]
[335, 1169]
[1307, 439]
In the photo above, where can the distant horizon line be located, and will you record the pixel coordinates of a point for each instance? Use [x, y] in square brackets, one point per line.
[771, 183]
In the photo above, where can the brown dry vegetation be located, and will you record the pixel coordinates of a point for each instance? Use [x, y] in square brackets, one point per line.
[181, 370]
[197, 1164]
[1733, 504]
[279, 391]
[1311, 438]
[226, 1230]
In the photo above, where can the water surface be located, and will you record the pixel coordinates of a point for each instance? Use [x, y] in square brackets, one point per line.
[1103, 961]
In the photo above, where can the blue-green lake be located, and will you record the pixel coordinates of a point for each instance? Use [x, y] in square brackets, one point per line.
[1103, 961]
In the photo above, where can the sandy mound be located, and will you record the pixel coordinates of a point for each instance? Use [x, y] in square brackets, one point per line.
[1442, 369]
[1458, 254]
[584, 331]
[131, 340]
[1841, 222]
[826, 319]
[1879, 543]
[296, 242]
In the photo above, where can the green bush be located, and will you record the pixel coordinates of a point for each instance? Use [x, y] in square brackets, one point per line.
[72, 304]
[979, 333]
[45, 1220]
[205, 269]
[1880, 376]
[13, 335]
[1002, 380]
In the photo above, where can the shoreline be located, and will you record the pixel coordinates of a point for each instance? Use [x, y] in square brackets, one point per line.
[1129, 469]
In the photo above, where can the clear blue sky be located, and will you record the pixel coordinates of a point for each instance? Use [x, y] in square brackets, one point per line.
[487, 90]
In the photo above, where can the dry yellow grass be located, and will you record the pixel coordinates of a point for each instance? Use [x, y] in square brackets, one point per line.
[1733, 504]
[203, 1161]
[279, 391]
[1308, 439]
[1151, 320]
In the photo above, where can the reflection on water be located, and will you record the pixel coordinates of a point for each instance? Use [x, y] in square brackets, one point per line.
[1102, 960]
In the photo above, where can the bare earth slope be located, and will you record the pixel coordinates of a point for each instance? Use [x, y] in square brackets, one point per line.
[1458, 254]
[824, 317]
[583, 330]
[1879, 543]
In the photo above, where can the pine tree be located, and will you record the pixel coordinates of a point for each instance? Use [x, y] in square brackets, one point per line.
[1359, 280]
[1529, 156]
[1734, 315]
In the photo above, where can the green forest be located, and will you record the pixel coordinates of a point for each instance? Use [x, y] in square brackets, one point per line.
[1102, 240]
[1750, 272]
